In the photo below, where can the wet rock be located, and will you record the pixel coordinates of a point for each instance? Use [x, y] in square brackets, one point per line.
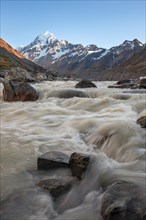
[57, 187]
[125, 81]
[123, 201]
[15, 91]
[142, 83]
[53, 159]
[125, 86]
[78, 163]
[85, 84]
[142, 121]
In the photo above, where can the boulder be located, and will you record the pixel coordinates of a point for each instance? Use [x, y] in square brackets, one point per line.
[85, 84]
[57, 187]
[78, 163]
[53, 159]
[124, 201]
[15, 91]
[142, 83]
[142, 121]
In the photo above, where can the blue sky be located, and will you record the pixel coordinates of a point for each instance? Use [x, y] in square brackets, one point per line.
[104, 23]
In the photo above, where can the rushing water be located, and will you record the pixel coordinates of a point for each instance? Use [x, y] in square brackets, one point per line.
[102, 124]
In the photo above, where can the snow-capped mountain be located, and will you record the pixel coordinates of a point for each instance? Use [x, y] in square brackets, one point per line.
[75, 59]
[126, 45]
[48, 45]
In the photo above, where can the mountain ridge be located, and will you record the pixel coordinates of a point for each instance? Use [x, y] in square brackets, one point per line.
[77, 61]
[10, 49]
[53, 46]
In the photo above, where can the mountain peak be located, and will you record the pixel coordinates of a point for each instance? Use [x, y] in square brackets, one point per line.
[44, 39]
[133, 42]
[47, 34]
[136, 41]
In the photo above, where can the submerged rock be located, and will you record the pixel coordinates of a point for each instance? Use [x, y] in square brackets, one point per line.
[142, 121]
[123, 201]
[57, 187]
[135, 91]
[18, 91]
[85, 84]
[78, 163]
[53, 159]
[71, 94]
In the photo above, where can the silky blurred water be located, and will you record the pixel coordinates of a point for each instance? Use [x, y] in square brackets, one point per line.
[102, 124]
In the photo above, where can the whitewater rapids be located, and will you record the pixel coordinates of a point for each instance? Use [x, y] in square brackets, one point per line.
[102, 123]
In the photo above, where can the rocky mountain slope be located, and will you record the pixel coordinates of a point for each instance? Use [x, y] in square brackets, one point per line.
[14, 65]
[134, 67]
[90, 62]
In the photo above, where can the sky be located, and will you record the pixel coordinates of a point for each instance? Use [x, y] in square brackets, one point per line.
[103, 23]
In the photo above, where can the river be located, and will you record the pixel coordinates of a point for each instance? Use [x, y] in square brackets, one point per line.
[102, 124]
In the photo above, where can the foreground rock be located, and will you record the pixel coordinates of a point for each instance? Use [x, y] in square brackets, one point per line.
[85, 84]
[18, 91]
[142, 121]
[57, 187]
[78, 164]
[53, 159]
[143, 83]
[124, 201]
